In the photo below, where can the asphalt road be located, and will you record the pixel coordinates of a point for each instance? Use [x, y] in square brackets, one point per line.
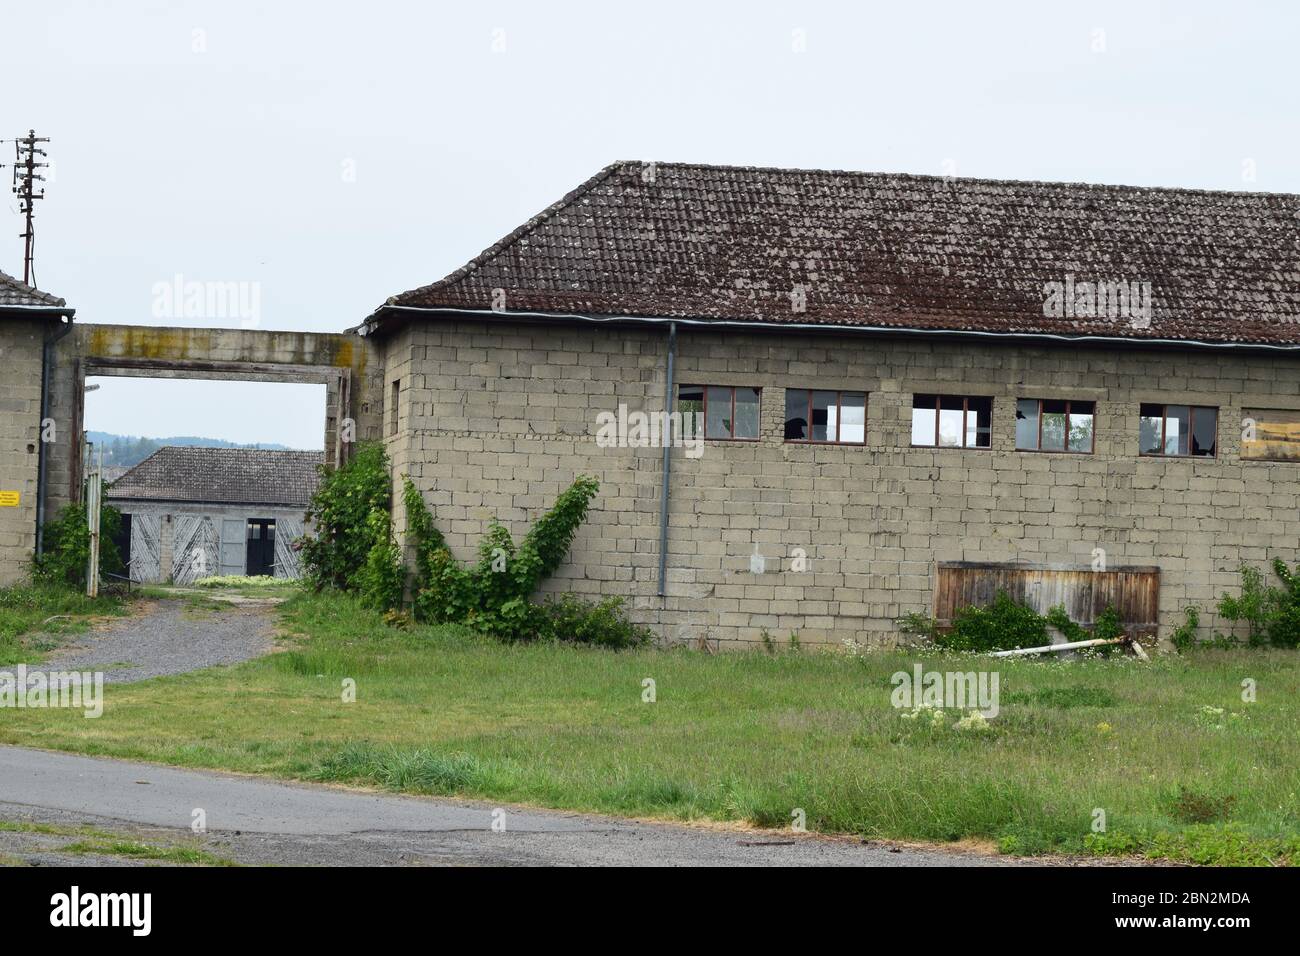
[256, 821]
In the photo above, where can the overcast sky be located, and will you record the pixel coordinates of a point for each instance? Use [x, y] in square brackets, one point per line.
[328, 155]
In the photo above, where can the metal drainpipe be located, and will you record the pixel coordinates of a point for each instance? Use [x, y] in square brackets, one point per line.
[668, 462]
[47, 355]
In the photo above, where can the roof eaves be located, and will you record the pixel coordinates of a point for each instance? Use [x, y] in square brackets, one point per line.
[857, 329]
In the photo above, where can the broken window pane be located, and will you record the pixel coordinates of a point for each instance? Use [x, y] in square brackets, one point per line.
[796, 414]
[1027, 424]
[1205, 425]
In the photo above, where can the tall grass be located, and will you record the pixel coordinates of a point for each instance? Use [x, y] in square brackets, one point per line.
[744, 737]
[43, 608]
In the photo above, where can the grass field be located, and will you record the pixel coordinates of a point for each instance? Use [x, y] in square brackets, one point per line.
[34, 616]
[1179, 764]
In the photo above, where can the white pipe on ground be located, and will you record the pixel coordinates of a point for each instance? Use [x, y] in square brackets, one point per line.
[1071, 646]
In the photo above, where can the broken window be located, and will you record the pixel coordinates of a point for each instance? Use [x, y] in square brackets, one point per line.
[824, 416]
[728, 412]
[1271, 435]
[1177, 431]
[952, 421]
[1054, 425]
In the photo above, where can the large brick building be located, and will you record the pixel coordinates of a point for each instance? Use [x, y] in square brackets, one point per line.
[900, 378]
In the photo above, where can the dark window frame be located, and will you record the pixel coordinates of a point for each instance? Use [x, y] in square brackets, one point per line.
[839, 417]
[1067, 450]
[1191, 430]
[965, 412]
[704, 411]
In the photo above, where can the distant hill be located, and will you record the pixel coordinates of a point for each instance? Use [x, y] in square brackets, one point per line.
[125, 451]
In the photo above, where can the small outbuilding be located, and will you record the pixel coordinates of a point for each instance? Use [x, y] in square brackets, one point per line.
[190, 512]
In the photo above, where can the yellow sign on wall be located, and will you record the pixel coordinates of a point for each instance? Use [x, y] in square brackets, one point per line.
[9, 499]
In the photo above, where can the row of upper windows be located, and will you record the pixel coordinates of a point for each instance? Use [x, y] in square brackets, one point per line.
[827, 416]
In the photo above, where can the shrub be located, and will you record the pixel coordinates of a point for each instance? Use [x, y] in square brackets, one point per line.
[66, 545]
[1251, 606]
[568, 618]
[335, 554]
[1003, 625]
[916, 624]
[1184, 636]
[1271, 614]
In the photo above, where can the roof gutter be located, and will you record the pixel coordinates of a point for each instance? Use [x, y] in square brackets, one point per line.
[368, 327]
[39, 309]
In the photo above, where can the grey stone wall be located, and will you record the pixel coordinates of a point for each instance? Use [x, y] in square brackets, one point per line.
[20, 404]
[496, 418]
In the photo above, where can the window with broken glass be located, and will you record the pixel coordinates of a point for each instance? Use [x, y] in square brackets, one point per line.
[1054, 425]
[952, 421]
[1178, 431]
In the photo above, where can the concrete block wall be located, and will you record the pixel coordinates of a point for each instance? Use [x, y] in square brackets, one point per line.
[496, 418]
[20, 405]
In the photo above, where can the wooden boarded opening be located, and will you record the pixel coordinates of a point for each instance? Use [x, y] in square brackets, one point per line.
[1084, 593]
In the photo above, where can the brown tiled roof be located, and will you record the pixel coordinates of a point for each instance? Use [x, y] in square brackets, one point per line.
[231, 475]
[878, 249]
[14, 293]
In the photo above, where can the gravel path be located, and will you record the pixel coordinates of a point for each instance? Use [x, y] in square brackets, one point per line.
[170, 637]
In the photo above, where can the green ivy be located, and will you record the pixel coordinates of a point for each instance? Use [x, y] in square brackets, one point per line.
[382, 580]
[494, 594]
[337, 551]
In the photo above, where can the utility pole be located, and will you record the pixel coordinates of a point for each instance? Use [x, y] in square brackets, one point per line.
[27, 160]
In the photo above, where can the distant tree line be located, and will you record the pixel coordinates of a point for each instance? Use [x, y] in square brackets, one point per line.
[125, 451]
